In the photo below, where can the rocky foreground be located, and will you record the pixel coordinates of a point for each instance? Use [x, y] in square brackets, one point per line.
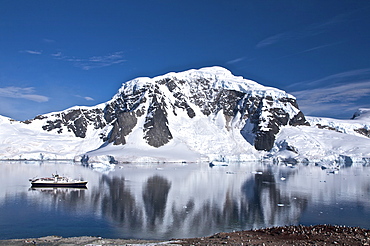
[287, 235]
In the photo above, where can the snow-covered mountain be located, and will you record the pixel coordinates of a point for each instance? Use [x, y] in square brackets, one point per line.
[196, 115]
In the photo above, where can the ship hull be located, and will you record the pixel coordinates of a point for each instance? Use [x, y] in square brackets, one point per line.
[52, 184]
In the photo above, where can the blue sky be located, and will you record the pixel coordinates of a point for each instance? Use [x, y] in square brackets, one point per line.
[58, 54]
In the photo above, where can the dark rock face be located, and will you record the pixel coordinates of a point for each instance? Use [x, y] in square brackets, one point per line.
[363, 131]
[180, 98]
[156, 131]
[251, 108]
[211, 100]
[75, 120]
[327, 127]
[125, 102]
[51, 125]
[299, 120]
[264, 119]
[122, 113]
[125, 110]
[122, 126]
[260, 116]
[264, 140]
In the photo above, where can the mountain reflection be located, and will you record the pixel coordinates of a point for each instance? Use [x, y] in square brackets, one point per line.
[155, 195]
[116, 202]
[267, 205]
[176, 201]
[154, 210]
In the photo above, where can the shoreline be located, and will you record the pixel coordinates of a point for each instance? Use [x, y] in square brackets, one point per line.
[283, 235]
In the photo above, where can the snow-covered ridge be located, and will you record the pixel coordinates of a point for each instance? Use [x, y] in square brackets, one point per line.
[218, 77]
[362, 114]
[327, 142]
[196, 115]
[204, 93]
[358, 125]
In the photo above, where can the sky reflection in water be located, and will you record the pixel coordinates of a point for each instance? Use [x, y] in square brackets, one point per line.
[163, 201]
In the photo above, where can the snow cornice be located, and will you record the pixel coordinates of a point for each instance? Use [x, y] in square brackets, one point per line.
[218, 77]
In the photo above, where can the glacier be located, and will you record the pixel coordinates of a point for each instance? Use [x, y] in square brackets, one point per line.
[192, 116]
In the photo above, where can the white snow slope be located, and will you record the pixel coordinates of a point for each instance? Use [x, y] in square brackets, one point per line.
[327, 140]
[20, 141]
[202, 138]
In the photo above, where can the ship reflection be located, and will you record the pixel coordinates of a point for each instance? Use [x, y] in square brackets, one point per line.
[155, 210]
[157, 204]
[70, 197]
[56, 190]
[163, 201]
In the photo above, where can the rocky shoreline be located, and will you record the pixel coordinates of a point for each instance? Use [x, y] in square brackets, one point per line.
[285, 235]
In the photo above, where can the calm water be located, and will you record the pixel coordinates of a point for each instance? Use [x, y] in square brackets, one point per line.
[178, 200]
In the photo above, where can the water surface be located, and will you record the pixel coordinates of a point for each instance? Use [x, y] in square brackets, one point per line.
[163, 201]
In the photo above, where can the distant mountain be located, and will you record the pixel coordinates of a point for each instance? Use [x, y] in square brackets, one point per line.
[362, 114]
[196, 115]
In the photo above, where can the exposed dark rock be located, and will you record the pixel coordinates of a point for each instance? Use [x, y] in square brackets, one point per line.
[264, 140]
[261, 115]
[38, 117]
[299, 120]
[292, 148]
[227, 100]
[203, 95]
[265, 137]
[78, 127]
[181, 103]
[75, 120]
[156, 131]
[51, 125]
[140, 112]
[27, 122]
[265, 128]
[363, 131]
[190, 112]
[76, 123]
[170, 83]
[124, 102]
[287, 100]
[123, 125]
[327, 127]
